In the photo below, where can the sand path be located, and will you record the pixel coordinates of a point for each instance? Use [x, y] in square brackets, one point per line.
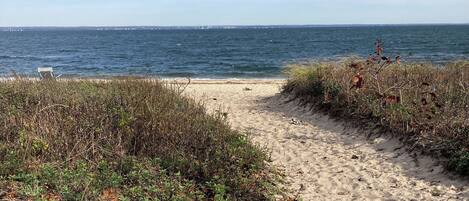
[323, 158]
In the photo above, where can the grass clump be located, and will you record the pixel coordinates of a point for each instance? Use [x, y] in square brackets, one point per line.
[427, 103]
[122, 139]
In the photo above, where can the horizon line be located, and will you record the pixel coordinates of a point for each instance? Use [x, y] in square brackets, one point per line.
[259, 25]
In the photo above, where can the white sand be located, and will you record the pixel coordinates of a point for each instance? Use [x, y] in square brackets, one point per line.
[316, 152]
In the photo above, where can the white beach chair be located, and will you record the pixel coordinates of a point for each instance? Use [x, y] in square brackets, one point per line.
[46, 73]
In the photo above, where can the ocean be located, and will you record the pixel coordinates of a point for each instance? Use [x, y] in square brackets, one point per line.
[216, 52]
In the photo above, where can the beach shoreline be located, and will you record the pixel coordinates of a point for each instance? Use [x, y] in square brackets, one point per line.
[170, 80]
[226, 81]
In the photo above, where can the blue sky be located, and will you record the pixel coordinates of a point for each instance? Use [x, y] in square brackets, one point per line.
[229, 12]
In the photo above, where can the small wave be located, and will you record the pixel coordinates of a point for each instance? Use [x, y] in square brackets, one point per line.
[68, 51]
[19, 57]
[52, 57]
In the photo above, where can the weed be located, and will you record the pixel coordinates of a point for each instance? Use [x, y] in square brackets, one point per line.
[132, 139]
[429, 104]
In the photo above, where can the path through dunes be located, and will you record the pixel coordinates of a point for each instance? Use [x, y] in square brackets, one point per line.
[324, 159]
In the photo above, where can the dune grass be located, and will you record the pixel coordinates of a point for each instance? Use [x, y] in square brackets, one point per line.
[122, 139]
[427, 104]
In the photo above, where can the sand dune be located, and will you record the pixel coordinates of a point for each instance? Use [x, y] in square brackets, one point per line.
[325, 159]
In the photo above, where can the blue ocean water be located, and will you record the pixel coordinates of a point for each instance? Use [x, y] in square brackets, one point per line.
[220, 52]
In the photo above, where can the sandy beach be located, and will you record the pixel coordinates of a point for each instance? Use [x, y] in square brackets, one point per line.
[325, 159]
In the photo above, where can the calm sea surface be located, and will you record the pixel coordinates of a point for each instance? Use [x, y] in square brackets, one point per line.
[249, 52]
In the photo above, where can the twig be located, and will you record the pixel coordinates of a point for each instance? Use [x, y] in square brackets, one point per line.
[182, 88]
[48, 107]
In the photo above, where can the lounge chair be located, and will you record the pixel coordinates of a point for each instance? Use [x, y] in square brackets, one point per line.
[46, 73]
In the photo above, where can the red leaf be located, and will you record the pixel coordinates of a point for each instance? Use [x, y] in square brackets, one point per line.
[357, 81]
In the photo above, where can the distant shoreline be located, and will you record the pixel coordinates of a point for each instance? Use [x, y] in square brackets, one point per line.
[203, 27]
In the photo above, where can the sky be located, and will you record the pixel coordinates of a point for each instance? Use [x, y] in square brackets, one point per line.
[229, 12]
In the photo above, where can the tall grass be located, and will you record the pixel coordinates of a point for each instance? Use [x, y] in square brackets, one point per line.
[427, 103]
[125, 139]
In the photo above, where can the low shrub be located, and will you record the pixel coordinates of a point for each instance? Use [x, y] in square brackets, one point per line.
[124, 138]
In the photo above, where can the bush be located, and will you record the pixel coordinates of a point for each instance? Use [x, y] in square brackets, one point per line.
[427, 103]
[126, 138]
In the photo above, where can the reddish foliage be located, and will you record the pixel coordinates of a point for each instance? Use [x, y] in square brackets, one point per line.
[390, 100]
[398, 60]
[379, 47]
[357, 81]
[110, 194]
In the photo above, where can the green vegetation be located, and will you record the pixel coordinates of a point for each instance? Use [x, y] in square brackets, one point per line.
[122, 139]
[427, 104]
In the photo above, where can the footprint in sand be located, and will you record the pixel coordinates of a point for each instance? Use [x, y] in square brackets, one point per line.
[324, 159]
